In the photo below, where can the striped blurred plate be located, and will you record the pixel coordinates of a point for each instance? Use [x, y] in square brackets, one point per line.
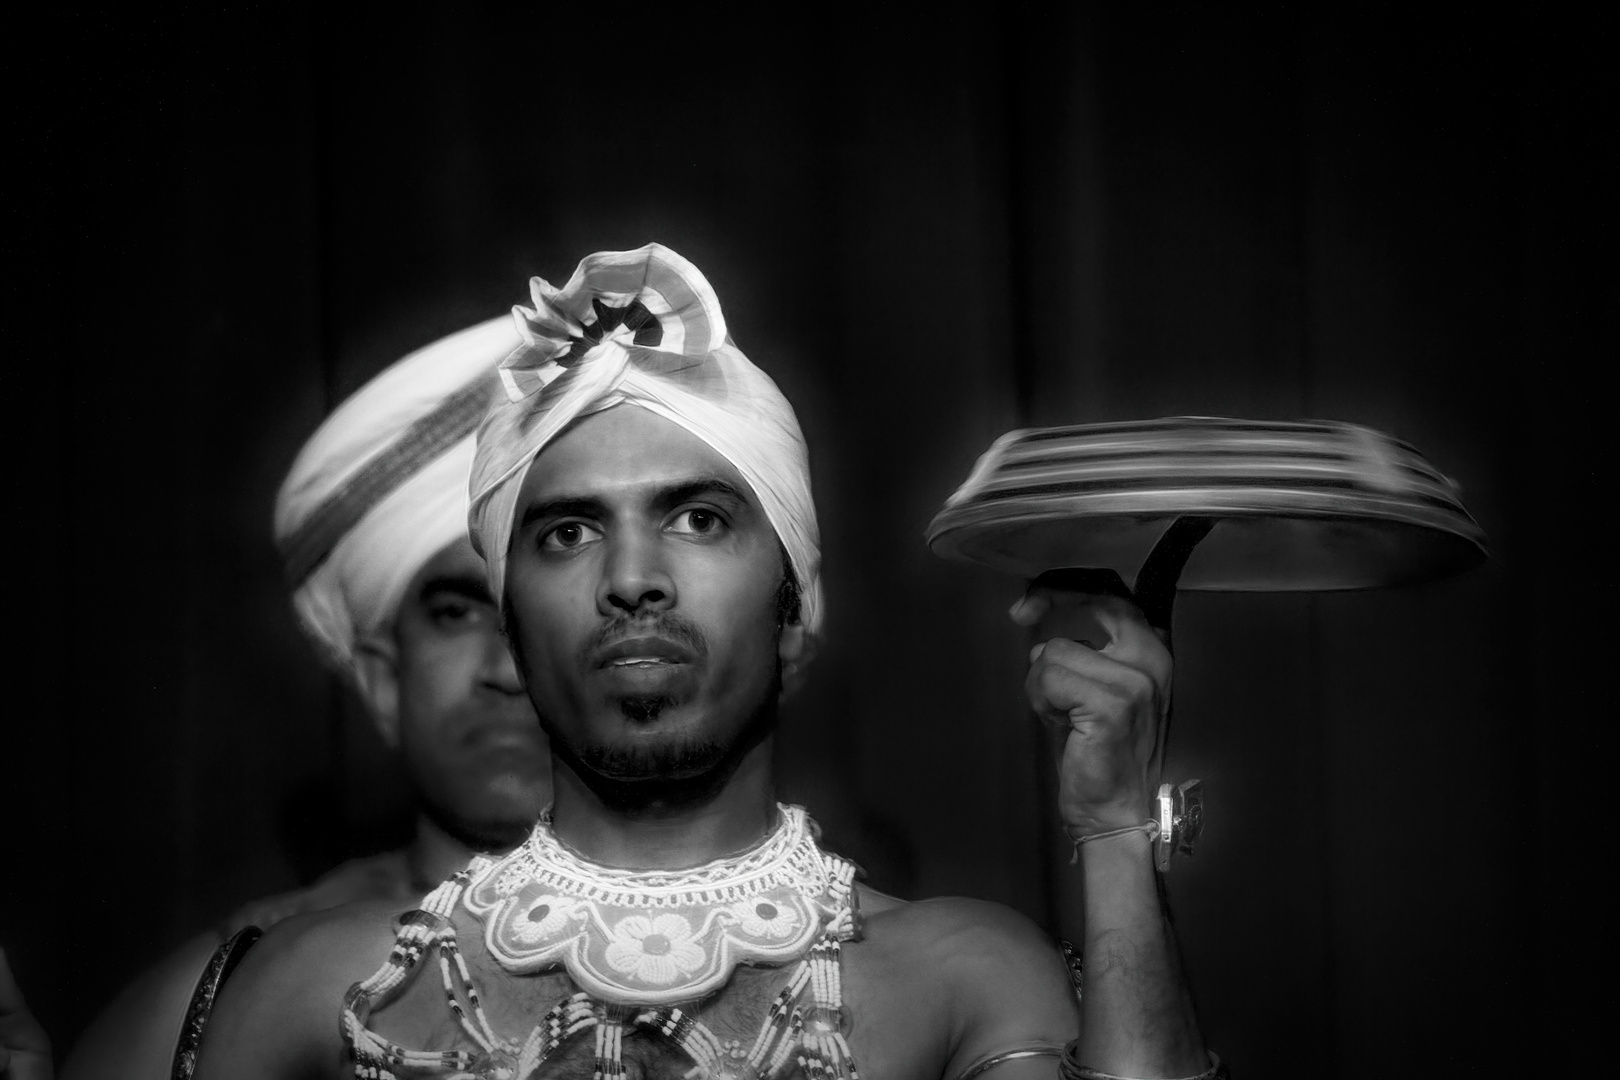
[1295, 506]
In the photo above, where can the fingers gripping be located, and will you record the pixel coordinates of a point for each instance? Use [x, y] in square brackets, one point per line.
[1069, 679]
[1111, 622]
[1105, 637]
[1101, 677]
[1102, 700]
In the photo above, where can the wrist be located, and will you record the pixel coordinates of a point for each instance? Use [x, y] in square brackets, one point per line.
[1173, 823]
[1092, 819]
[1121, 886]
[1130, 850]
[1149, 829]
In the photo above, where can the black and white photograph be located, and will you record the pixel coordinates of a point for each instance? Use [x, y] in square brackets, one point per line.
[982, 542]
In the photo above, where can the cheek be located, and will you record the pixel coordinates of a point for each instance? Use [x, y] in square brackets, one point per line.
[548, 638]
[550, 604]
[744, 625]
[437, 676]
[547, 626]
[444, 666]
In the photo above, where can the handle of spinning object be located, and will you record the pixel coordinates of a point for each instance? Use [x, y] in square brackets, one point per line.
[1178, 809]
[1161, 570]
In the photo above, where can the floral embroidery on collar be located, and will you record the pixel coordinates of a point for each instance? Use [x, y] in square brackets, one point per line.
[664, 936]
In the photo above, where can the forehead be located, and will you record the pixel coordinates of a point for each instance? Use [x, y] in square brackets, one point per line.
[623, 451]
[455, 560]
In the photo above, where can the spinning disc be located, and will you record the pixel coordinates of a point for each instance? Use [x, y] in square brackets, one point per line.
[1288, 506]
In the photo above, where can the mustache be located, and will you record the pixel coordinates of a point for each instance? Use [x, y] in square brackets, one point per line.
[667, 625]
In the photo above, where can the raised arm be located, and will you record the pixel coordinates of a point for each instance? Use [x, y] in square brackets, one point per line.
[1107, 706]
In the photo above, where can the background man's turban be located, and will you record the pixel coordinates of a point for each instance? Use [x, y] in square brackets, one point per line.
[381, 487]
[643, 328]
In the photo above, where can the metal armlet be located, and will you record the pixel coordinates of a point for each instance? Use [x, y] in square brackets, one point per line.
[201, 1006]
[1033, 1050]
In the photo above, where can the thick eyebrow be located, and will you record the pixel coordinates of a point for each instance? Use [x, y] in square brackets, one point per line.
[469, 588]
[564, 506]
[698, 488]
[663, 499]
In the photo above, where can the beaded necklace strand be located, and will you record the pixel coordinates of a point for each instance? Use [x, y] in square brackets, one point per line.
[803, 1026]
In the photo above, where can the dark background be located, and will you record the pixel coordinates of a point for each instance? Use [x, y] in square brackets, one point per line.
[929, 230]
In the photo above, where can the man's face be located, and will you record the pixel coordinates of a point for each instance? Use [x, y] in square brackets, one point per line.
[467, 731]
[642, 585]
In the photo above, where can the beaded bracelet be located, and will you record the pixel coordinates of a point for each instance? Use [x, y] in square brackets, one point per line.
[1149, 827]
[1069, 1067]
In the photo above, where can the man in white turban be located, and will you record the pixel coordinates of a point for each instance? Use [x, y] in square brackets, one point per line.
[642, 500]
[372, 524]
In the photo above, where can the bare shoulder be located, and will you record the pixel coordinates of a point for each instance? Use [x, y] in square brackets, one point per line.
[990, 979]
[277, 1016]
[134, 1037]
[977, 935]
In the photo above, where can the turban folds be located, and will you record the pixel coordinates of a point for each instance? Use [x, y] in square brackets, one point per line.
[381, 487]
[642, 328]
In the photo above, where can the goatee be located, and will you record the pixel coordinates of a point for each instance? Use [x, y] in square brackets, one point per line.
[639, 776]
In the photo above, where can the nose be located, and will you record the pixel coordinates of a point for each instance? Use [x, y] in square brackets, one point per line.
[635, 578]
[499, 670]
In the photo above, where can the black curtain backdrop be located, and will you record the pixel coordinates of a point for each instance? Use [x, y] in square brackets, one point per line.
[929, 231]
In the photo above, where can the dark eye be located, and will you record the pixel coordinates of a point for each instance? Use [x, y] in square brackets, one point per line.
[698, 522]
[568, 535]
[457, 614]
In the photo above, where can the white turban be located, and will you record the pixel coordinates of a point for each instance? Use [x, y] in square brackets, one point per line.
[643, 328]
[381, 487]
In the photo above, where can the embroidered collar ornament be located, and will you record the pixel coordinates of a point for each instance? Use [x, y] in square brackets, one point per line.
[657, 938]
[802, 1032]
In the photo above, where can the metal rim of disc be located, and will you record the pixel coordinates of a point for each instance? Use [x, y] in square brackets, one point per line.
[1299, 495]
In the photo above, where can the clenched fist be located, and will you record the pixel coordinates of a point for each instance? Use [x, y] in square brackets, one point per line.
[1101, 676]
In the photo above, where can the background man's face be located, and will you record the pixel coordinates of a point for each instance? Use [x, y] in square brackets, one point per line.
[470, 738]
[642, 585]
